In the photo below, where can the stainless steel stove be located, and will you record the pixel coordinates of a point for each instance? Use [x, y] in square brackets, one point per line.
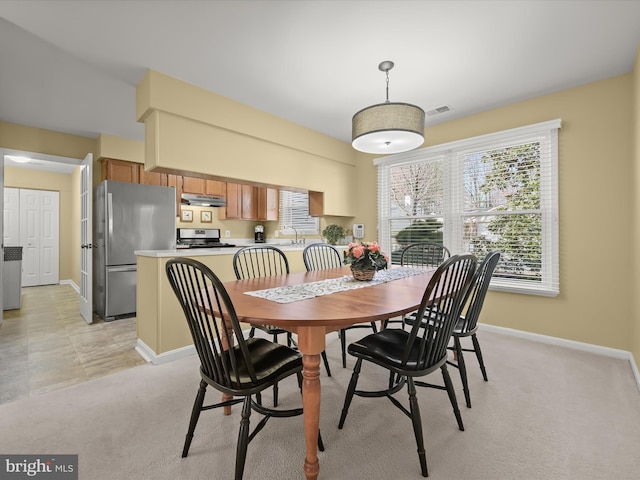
[200, 238]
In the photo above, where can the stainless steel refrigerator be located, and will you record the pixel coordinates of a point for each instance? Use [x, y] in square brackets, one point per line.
[127, 217]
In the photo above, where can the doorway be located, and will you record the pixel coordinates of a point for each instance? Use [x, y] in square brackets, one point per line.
[69, 172]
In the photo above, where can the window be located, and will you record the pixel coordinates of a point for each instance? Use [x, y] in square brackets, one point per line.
[495, 192]
[294, 214]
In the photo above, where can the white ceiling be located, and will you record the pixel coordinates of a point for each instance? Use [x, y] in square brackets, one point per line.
[73, 66]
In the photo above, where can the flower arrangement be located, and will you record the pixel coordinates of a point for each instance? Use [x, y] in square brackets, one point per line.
[365, 256]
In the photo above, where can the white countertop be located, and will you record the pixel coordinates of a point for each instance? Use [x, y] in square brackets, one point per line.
[200, 252]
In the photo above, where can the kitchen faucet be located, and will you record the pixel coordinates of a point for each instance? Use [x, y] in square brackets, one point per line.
[296, 241]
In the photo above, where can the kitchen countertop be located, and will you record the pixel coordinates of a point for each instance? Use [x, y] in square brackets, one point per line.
[199, 252]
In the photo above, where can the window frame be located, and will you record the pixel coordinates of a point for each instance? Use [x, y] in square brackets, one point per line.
[452, 155]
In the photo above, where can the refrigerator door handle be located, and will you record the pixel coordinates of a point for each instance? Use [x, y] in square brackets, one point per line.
[109, 214]
[122, 268]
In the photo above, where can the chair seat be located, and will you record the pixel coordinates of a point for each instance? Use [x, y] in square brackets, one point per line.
[387, 348]
[270, 361]
[461, 329]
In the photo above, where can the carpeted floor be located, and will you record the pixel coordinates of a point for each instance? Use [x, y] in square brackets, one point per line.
[547, 413]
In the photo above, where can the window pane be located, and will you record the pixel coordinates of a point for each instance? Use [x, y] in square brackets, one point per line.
[503, 179]
[294, 214]
[517, 236]
[407, 231]
[416, 189]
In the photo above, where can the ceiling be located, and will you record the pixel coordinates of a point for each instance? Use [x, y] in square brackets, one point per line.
[73, 66]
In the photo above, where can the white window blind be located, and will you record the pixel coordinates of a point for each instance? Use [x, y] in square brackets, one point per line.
[495, 192]
[294, 214]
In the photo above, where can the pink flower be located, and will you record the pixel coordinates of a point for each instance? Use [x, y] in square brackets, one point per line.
[374, 247]
[358, 250]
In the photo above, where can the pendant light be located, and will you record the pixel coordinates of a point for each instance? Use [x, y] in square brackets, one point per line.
[388, 127]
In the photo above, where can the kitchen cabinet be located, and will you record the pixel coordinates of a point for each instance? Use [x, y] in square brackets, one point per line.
[316, 204]
[242, 202]
[131, 172]
[202, 186]
[234, 201]
[120, 170]
[176, 181]
[268, 203]
[151, 178]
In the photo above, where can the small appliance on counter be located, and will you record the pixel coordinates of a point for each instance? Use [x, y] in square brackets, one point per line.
[258, 233]
[199, 238]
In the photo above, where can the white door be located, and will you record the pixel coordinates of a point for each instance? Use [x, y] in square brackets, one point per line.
[86, 240]
[11, 219]
[39, 236]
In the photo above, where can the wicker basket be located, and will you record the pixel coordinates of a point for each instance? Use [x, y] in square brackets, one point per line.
[363, 275]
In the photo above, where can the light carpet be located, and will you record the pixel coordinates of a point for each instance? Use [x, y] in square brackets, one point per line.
[546, 413]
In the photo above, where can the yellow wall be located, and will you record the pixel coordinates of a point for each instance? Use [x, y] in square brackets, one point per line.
[30, 139]
[635, 319]
[69, 212]
[189, 129]
[596, 224]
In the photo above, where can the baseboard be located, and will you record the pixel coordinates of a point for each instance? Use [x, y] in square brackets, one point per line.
[158, 359]
[72, 283]
[587, 347]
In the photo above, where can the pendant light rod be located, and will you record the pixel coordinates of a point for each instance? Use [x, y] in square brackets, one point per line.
[385, 67]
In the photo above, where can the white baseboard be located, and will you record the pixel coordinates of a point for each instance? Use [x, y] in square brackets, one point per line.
[158, 359]
[587, 347]
[72, 283]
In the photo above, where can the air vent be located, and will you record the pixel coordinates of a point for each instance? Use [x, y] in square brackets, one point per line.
[438, 111]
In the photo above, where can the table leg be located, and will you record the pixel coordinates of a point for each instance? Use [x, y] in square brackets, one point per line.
[311, 342]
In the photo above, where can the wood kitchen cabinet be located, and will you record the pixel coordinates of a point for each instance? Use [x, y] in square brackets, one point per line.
[120, 171]
[176, 181]
[151, 178]
[268, 203]
[131, 172]
[201, 186]
[242, 202]
[316, 204]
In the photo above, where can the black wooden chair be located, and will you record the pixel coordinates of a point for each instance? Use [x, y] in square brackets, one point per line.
[321, 256]
[262, 261]
[467, 325]
[420, 351]
[266, 261]
[244, 368]
[421, 255]
[424, 255]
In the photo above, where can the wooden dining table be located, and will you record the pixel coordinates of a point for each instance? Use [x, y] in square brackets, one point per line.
[313, 318]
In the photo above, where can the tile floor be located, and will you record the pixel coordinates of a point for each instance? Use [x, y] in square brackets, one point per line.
[46, 345]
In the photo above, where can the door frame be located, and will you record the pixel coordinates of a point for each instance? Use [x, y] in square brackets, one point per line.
[46, 162]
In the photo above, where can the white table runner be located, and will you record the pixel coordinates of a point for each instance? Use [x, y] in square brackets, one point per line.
[304, 291]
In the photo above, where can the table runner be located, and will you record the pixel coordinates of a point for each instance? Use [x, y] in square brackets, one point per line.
[304, 291]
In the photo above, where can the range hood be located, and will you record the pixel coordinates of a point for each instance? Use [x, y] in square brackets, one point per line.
[202, 200]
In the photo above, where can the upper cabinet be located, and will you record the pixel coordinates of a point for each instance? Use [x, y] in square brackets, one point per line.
[316, 204]
[243, 202]
[201, 186]
[120, 171]
[131, 172]
[268, 203]
[248, 202]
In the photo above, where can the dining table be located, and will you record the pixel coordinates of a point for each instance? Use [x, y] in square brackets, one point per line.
[309, 305]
